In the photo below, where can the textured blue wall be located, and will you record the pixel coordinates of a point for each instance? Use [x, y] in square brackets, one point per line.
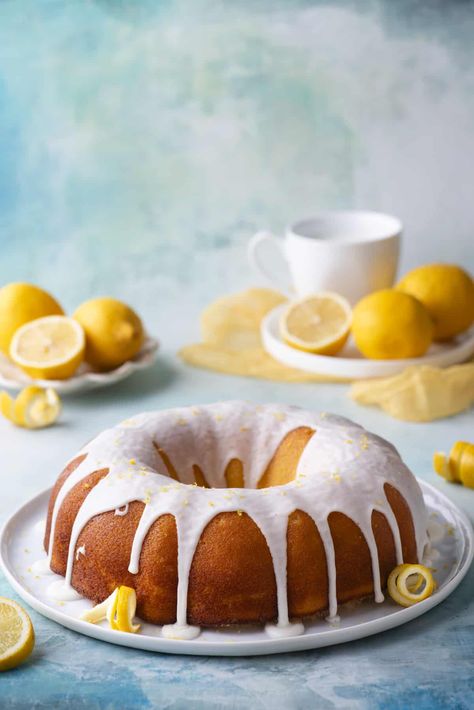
[144, 139]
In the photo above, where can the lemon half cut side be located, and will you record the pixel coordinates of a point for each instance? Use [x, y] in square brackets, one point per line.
[50, 348]
[17, 637]
[319, 323]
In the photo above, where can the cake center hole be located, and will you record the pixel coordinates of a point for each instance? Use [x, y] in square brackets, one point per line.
[280, 470]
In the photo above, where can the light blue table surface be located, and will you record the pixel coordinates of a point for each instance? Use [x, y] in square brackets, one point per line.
[426, 664]
[141, 143]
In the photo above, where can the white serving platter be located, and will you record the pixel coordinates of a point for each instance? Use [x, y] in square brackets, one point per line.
[349, 363]
[21, 546]
[85, 379]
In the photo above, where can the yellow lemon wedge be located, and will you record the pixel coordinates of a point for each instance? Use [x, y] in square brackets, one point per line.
[50, 348]
[407, 591]
[33, 408]
[119, 609]
[17, 637]
[319, 323]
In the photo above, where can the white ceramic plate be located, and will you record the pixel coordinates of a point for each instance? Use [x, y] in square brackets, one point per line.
[21, 545]
[349, 363]
[85, 379]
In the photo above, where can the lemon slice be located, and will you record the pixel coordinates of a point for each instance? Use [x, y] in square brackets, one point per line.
[34, 407]
[17, 637]
[50, 348]
[317, 324]
[407, 592]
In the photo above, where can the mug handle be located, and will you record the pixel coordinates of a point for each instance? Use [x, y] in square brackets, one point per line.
[254, 255]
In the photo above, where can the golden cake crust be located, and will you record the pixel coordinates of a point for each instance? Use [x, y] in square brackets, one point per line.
[232, 577]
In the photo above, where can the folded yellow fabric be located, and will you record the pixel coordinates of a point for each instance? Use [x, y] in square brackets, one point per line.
[231, 344]
[230, 329]
[420, 393]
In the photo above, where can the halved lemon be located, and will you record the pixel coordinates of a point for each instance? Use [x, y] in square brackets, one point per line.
[317, 324]
[17, 637]
[33, 408]
[50, 348]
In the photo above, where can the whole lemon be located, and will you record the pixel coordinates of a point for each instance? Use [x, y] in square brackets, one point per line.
[390, 325]
[114, 332]
[21, 303]
[447, 291]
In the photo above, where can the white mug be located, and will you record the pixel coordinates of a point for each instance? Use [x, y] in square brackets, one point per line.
[350, 252]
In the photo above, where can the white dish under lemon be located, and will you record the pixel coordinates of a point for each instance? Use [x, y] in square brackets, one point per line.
[12, 377]
[349, 363]
[451, 554]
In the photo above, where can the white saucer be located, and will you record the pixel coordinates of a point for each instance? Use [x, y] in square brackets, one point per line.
[21, 546]
[85, 379]
[349, 363]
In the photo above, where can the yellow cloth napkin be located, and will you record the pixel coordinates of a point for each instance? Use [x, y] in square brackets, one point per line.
[420, 393]
[230, 328]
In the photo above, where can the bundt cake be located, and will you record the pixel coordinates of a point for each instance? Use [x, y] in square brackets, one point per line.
[234, 513]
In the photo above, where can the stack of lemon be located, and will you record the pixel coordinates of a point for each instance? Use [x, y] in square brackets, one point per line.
[431, 303]
[48, 345]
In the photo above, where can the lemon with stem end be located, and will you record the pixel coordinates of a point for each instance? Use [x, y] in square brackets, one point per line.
[114, 332]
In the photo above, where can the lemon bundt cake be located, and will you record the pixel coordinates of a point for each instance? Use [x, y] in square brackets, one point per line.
[234, 513]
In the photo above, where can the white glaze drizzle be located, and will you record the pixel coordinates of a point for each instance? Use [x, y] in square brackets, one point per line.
[41, 567]
[342, 468]
[61, 591]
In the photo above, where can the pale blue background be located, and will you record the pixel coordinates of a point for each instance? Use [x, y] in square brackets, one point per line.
[141, 143]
